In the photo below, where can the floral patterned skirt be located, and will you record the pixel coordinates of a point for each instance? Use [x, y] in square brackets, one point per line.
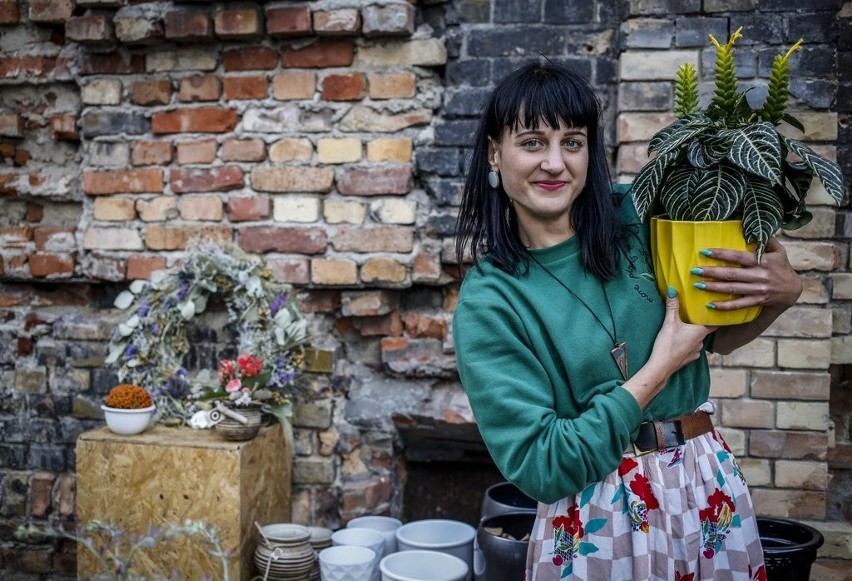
[682, 514]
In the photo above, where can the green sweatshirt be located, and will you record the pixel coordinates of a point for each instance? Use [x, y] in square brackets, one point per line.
[537, 368]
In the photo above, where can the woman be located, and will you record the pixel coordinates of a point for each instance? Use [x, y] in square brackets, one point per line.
[568, 353]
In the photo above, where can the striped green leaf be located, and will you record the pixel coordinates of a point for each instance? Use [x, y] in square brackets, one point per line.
[675, 192]
[798, 176]
[647, 182]
[707, 152]
[718, 193]
[826, 171]
[679, 133]
[762, 212]
[757, 149]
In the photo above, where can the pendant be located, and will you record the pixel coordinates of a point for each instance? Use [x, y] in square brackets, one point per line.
[619, 353]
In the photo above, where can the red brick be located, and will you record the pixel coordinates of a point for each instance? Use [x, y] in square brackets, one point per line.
[241, 88]
[375, 181]
[392, 85]
[21, 157]
[92, 29]
[8, 185]
[349, 87]
[288, 22]
[63, 127]
[200, 88]
[136, 28]
[135, 181]
[258, 58]
[378, 239]
[383, 326]
[9, 13]
[51, 265]
[217, 179]
[151, 92]
[55, 237]
[290, 270]
[198, 120]
[188, 25]
[369, 303]
[151, 152]
[426, 267]
[196, 152]
[243, 150]
[248, 208]
[51, 11]
[419, 325]
[321, 301]
[320, 55]
[26, 66]
[345, 21]
[276, 239]
[141, 267]
[34, 212]
[111, 63]
[238, 23]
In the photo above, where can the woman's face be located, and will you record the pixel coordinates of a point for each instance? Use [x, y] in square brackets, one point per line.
[543, 171]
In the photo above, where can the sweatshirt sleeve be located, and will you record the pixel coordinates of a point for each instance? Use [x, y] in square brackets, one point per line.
[547, 455]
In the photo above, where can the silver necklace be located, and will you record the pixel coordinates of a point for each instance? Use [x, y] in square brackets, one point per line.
[619, 350]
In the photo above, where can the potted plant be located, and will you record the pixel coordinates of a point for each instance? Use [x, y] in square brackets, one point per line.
[726, 171]
[128, 409]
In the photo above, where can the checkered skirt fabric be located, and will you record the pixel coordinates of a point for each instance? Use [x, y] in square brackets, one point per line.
[682, 514]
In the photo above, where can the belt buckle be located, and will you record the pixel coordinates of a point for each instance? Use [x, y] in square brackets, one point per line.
[639, 451]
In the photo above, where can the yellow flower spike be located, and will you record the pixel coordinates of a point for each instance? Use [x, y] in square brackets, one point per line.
[794, 48]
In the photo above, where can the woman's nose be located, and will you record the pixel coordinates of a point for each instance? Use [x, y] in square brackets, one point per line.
[553, 162]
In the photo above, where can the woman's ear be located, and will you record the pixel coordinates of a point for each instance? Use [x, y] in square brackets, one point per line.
[493, 155]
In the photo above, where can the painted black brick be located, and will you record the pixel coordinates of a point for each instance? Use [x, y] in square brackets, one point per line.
[812, 28]
[455, 132]
[815, 93]
[95, 123]
[50, 405]
[441, 224]
[103, 380]
[569, 11]
[41, 431]
[583, 66]
[641, 7]
[796, 5]
[844, 96]
[49, 458]
[473, 11]
[13, 430]
[445, 192]
[465, 102]
[606, 71]
[510, 11]
[745, 62]
[645, 96]
[696, 31]
[441, 161]
[468, 72]
[758, 28]
[13, 455]
[509, 41]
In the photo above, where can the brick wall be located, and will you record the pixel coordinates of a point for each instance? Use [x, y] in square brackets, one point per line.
[329, 137]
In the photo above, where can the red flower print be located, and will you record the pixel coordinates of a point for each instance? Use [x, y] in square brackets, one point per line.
[687, 577]
[627, 464]
[558, 560]
[716, 503]
[718, 437]
[571, 522]
[642, 488]
[759, 575]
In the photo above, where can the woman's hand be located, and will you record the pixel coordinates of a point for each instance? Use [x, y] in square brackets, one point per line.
[676, 345]
[772, 283]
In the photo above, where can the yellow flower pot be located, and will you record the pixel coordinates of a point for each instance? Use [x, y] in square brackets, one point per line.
[675, 246]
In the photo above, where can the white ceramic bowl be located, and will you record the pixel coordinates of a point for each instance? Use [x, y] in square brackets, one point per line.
[445, 536]
[128, 422]
[386, 525]
[346, 563]
[422, 566]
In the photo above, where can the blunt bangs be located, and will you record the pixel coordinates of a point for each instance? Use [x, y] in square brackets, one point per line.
[535, 94]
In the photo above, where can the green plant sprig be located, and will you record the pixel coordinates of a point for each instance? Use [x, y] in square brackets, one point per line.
[779, 87]
[686, 91]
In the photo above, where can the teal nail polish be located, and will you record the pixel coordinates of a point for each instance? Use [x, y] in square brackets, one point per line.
[705, 252]
[672, 293]
[699, 285]
[697, 271]
[711, 306]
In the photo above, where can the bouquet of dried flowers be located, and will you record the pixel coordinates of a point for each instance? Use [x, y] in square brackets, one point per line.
[127, 396]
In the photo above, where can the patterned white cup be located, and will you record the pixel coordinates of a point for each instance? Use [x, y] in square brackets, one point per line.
[346, 563]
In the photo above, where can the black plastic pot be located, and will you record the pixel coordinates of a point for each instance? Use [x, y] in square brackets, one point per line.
[505, 497]
[789, 548]
[504, 559]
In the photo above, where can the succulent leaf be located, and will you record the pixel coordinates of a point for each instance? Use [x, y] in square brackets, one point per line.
[778, 87]
[725, 94]
[686, 91]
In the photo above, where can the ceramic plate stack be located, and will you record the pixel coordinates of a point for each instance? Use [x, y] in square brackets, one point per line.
[320, 539]
[285, 553]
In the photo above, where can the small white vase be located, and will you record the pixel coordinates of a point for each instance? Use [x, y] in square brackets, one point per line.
[128, 422]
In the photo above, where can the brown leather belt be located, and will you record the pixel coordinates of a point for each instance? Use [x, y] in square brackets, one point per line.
[661, 435]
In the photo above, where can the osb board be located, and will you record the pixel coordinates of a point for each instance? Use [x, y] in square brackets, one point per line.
[166, 475]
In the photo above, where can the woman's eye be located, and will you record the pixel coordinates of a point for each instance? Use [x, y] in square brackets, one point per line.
[531, 144]
[573, 144]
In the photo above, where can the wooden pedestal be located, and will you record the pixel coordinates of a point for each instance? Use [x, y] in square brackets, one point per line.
[166, 475]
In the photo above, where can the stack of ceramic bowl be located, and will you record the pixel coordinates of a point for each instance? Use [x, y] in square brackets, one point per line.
[285, 552]
[320, 539]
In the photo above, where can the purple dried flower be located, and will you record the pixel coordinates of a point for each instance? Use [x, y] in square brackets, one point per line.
[143, 308]
[130, 352]
[277, 303]
[184, 286]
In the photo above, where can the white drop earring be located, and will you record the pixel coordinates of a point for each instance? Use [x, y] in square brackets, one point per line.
[493, 179]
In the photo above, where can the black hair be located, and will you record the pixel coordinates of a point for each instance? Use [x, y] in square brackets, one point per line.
[538, 92]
